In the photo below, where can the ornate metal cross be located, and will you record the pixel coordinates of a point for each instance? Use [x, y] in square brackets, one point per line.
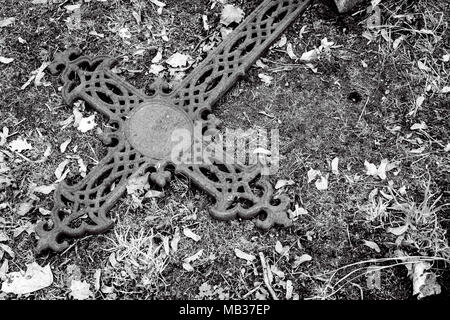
[140, 141]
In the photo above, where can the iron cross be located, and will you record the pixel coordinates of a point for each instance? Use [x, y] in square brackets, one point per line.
[140, 141]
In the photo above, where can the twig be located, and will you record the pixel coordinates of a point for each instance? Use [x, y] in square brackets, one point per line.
[266, 276]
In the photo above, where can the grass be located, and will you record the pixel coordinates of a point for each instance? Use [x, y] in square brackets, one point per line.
[349, 109]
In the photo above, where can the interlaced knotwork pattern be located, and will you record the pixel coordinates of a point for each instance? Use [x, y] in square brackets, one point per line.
[143, 126]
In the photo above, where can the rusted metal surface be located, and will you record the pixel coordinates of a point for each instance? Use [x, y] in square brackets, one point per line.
[142, 126]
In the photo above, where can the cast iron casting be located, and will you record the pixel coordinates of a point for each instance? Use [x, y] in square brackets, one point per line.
[139, 140]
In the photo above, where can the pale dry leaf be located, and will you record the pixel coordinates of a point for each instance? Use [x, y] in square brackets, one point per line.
[422, 66]
[44, 212]
[7, 249]
[265, 78]
[175, 240]
[190, 234]
[419, 126]
[290, 51]
[24, 207]
[97, 278]
[301, 259]
[373, 278]
[35, 278]
[282, 42]
[447, 147]
[64, 145]
[205, 22]
[80, 290]
[322, 183]
[398, 230]
[335, 166]
[178, 60]
[424, 283]
[187, 266]
[138, 183]
[77, 116]
[28, 227]
[283, 183]
[4, 269]
[7, 21]
[231, 14]
[157, 58]
[224, 32]
[19, 145]
[82, 169]
[309, 56]
[44, 189]
[156, 69]
[278, 247]
[289, 289]
[3, 236]
[261, 64]
[397, 42]
[242, 255]
[445, 89]
[419, 101]
[87, 123]
[60, 169]
[5, 60]
[372, 245]
[194, 257]
[312, 174]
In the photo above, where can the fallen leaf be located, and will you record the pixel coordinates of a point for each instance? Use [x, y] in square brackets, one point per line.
[290, 52]
[445, 89]
[60, 169]
[265, 78]
[7, 21]
[373, 278]
[230, 14]
[138, 183]
[87, 123]
[178, 60]
[24, 207]
[34, 279]
[289, 289]
[28, 227]
[398, 230]
[156, 69]
[190, 234]
[97, 276]
[79, 290]
[335, 166]
[19, 145]
[373, 170]
[372, 245]
[309, 56]
[175, 240]
[187, 266]
[322, 183]
[242, 255]
[45, 189]
[419, 126]
[301, 259]
[282, 183]
[282, 42]
[64, 145]
[5, 60]
[194, 257]
[312, 174]
[424, 283]
[3, 237]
